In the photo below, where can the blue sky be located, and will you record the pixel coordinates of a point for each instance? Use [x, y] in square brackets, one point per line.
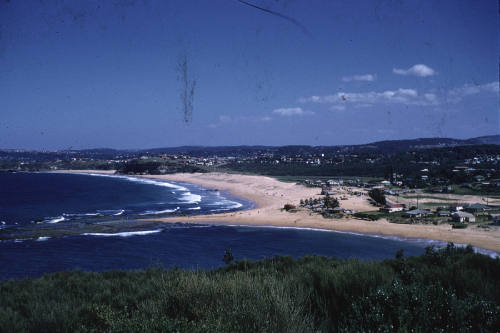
[85, 74]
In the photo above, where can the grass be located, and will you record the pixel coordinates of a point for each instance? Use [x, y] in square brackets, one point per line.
[431, 204]
[296, 179]
[448, 290]
[427, 197]
[475, 191]
[376, 214]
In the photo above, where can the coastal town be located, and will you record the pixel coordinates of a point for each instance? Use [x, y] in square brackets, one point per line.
[401, 205]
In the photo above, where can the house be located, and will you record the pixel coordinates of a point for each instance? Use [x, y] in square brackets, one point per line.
[463, 217]
[327, 191]
[417, 213]
[476, 208]
[331, 182]
[479, 178]
[456, 207]
[391, 208]
[444, 213]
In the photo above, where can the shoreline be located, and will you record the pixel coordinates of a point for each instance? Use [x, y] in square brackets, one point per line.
[270, 195]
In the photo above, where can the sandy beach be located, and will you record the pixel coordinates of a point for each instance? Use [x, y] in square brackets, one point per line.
[270, 195]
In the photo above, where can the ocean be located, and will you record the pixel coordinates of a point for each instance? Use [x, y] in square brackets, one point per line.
[27, 198]
[63, 199]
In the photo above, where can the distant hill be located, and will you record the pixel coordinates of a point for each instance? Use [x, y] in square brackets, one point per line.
[488, 140]
[379, 147]
[394, 146]
[385, 147]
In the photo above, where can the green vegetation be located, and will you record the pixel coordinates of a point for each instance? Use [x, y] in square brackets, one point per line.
[372, 215]
[448, 290]
[377, 196]
[330, 202]
[434, 197]
[157, 166]
[301, 179]
[493, 192]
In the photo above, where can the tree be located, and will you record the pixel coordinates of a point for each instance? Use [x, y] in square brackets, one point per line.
[330, 202]
[377, 196]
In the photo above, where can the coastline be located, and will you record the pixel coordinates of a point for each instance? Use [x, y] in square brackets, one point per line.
[270, 195]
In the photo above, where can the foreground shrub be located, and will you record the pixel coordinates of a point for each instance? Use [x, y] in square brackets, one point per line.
[452, 289]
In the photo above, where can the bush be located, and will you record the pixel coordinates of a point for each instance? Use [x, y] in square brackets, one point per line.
[371, 217]
[378, 196]
[453, 289]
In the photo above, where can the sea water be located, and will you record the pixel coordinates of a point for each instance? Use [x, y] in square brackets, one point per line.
[56, 197]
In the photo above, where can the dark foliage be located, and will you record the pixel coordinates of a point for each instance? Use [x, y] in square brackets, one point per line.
[330, 202]
[377, 196]
[154, 167]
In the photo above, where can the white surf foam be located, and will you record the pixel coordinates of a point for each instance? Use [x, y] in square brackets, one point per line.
[190, 197]
[219, 210]
[80, 215]
[195, 208]
[235, 205]
[228, 203]
[42, 239]
[161, 211]
[120, 212]
[57, 219]
[139, 180]
[124, 234]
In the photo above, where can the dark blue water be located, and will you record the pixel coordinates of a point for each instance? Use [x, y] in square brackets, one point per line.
[187, 247]
[52, 198]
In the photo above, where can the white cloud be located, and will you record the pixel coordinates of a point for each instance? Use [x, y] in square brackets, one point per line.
[455, 95]
[292, 112]
[417, 70]
[363, 99]
[224, 119]
[404, 96]
[337, 108]
[364, 77]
